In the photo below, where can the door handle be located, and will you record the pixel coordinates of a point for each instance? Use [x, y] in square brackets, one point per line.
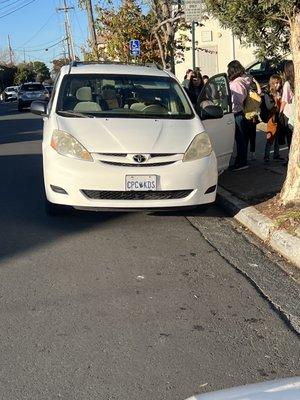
[229, 122]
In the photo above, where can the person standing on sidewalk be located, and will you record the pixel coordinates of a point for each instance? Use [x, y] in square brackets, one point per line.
[272, 101]
[251, 123]
[239, 85]
[193, 84]
[287, 98]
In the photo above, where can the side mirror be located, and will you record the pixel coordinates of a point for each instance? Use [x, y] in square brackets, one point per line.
[39, 107]
[211, 112]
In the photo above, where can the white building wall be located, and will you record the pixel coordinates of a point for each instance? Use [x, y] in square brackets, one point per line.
[217, 48]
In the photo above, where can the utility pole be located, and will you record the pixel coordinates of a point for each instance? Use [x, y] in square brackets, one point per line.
[10, 51]
[91, 22]
[193, 45]
[69, 37]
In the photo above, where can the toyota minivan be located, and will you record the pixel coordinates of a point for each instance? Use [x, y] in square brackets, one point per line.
[127, 137]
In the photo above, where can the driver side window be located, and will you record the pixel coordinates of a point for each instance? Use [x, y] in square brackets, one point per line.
[216, 92]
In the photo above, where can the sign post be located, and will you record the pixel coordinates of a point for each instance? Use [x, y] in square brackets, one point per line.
[193, 14]
[135, 48]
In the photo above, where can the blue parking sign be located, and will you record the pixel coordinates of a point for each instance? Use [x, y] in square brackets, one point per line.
[135, 47]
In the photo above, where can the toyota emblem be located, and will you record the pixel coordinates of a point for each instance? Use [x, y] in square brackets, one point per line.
[139, 158]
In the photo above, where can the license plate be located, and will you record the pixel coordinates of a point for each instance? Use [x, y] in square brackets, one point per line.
[140, 182]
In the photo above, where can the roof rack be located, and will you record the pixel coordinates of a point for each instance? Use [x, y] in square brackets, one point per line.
[148, 65]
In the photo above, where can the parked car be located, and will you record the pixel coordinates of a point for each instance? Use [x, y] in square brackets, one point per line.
[127, 137]
[28, 92]
[281, 389]
[9, 93]
[262, 70]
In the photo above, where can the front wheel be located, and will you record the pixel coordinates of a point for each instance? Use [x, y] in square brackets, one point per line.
[20, 108]
[53, 209]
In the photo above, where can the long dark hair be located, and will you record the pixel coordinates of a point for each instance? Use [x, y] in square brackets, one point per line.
[235, 70]
[289, 74]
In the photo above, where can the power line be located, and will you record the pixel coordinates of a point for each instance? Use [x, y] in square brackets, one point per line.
[17, 9]
[42, 27]
[45, 44]
[4, 1]
[8, 5]
[69, 38]
[45, 49]
[78, 22]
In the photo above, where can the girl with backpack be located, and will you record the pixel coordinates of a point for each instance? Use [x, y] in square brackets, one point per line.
[252, 116]
[271, 109]
[239, 86]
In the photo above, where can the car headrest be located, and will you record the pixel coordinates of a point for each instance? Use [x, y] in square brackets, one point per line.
[84, 94]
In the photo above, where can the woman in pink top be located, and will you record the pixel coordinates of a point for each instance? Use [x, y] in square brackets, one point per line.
[239, 85]
[287, 97]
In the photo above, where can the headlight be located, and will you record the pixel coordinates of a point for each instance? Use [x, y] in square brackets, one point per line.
[199, 148]
[68, 146]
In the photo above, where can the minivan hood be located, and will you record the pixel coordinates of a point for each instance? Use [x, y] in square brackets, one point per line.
[124, 135]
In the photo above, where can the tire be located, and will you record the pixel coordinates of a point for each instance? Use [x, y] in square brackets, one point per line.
[53, 209]
[20, 108]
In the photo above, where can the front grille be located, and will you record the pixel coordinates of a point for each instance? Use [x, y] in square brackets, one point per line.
[119, 164]
[136, 195]
[113, 154]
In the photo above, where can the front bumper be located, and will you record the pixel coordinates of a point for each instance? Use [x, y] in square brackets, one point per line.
[76, 176]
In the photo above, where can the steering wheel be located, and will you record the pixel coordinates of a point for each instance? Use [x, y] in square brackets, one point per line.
[154, 108]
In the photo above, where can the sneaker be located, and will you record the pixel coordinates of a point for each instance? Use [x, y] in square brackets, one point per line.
[252, 156]
[266, 159]
[238, 167]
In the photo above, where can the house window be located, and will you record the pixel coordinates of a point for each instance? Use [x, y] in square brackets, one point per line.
[206, 36]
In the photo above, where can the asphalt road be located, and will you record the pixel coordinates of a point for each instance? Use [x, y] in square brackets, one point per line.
[123, 306]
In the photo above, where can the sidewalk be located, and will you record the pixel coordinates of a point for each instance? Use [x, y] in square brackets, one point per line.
[243, 194]
[257, 183]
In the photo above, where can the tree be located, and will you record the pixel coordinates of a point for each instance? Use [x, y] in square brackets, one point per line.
[4, 57]
[7, 75]
[168, 20]
[41, 70]
[153, 22]
[25, 73]
[57, 64]
[274, 27]
[117, 26]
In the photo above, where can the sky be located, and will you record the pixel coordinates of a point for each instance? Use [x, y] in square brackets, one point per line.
[38, 26]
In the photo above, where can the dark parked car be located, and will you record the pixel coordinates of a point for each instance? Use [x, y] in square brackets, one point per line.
[262, 70]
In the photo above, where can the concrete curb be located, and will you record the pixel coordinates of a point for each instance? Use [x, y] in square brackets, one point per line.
[281, 241]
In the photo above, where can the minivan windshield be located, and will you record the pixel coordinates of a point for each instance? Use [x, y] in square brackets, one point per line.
[123, 96]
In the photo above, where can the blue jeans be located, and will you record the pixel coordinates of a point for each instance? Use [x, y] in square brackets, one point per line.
[241, 138]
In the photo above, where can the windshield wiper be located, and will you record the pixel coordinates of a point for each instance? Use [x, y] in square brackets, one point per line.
[71, 113]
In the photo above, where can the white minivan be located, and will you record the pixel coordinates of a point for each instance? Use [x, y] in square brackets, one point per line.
[127, 137]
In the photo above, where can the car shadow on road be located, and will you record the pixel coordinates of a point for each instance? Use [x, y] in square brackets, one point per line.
[9, 127]
[24, 223]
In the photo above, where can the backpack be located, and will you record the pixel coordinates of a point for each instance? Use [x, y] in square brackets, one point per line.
[252, 105]
[264, 111]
